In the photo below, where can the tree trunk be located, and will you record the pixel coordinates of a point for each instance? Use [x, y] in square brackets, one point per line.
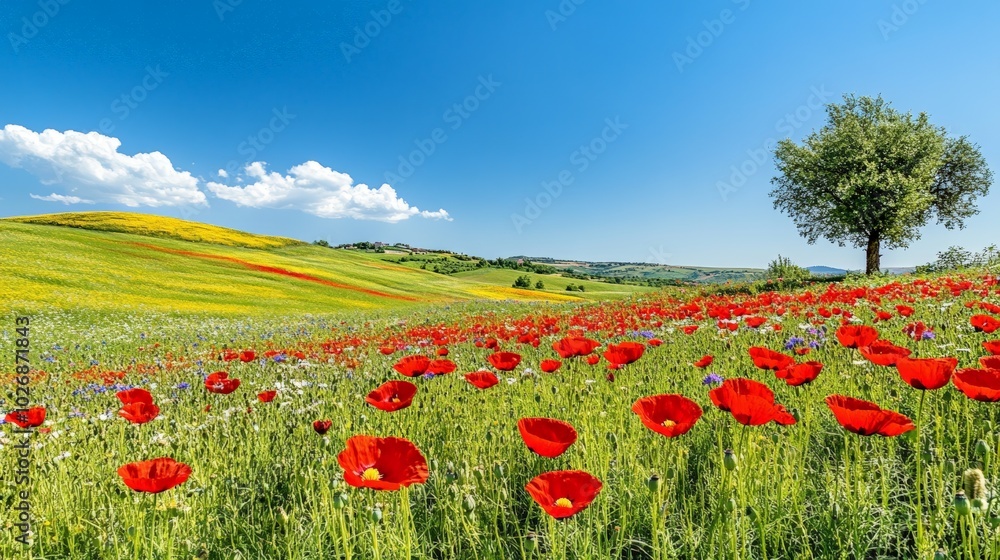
[872, 264]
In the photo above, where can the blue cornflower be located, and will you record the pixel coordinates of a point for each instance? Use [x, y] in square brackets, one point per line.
[712, 379]
[428, 375]
[928, 335]
[183, 385]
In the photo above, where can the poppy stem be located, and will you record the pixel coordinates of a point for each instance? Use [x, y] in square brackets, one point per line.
[345, 535]
[406, 512]
[920, 474]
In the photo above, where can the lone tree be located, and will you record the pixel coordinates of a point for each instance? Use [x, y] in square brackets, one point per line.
[874, 176]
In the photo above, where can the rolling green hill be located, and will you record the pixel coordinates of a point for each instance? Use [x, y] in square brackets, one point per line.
[72, 267]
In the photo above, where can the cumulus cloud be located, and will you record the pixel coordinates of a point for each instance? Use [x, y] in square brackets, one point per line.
[91, 165]
[67, 200]
[321, 191]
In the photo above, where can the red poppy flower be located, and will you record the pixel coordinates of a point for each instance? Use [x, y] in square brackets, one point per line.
[564, 493]
[219, 382]
[572, 346]
[670, 415]
[546, 436]
[883, 353]
[412, 366]
[593, 359]
[990, 362]
[624, 353]
[867, 418]
[755, 322]
[322, 426]
[136, 395]
[705, 361]
[505, 361]
[482, 379]
[550, 366]
[750, 402]
[387, 350]
[230, 355]
[993, 347]
[392, 395]
[654, 342]
[799, 374]
[985, 323]
[904, 310]
[926, 373]
[978, 384]
[689, 329]
[802, 351]
[382, 463]
[856, 336]
[441, 367]
[765, 358]
[154, 476]
[442, 351]
[248, 356]
[881, 315]
[266, 396]
[139, 412]
[29, 418]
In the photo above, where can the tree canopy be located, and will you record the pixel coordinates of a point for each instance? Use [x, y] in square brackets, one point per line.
[873, 176]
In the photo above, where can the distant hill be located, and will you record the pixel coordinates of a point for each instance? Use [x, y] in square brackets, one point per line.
[649, 271]
[826, 271]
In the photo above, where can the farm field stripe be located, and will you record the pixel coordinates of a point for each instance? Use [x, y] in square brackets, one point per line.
[274, 270]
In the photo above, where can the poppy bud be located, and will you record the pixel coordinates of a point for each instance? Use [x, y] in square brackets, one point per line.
[451, 476]
[730, 505]
[340, 500]
[995, 520]
[654, 483]
[376, 514]
[940, 555]
[538, 398]
[982, 448]
[729, 460]
[613, 439]
[751, 513]
[950, 466]
[530, 542]
[489, 435]
[498, 470]
[469, 504]
[961, 503]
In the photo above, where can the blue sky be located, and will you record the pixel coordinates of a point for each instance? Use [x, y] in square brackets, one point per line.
[632, 113]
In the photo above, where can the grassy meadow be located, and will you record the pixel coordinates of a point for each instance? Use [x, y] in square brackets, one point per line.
[111, 312]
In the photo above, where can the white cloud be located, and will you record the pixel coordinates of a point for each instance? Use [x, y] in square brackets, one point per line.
[320, 191]
[223, 173]
[67, 200]
[91, 165]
